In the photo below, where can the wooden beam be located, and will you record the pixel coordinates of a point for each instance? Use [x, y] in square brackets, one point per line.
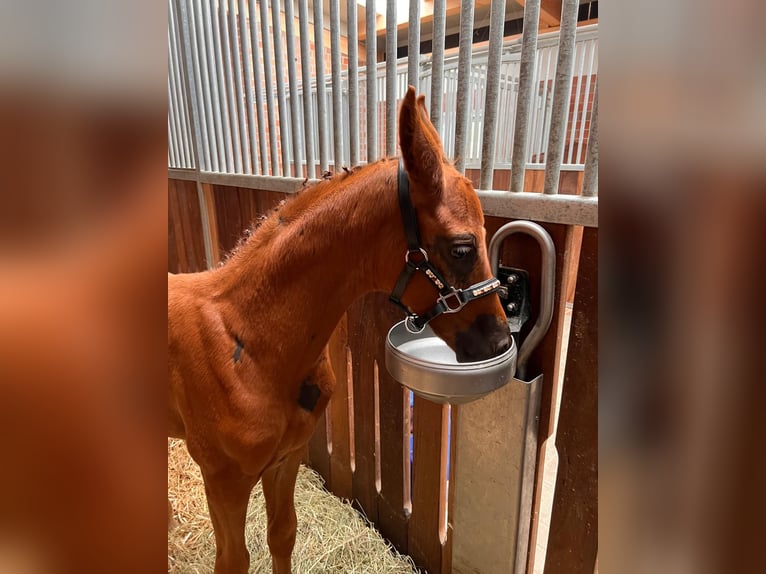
[550, 12]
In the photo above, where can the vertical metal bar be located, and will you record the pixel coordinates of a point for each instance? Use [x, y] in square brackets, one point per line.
[391, 77]
[372, 82]
[238, 65]
[577, 115]
[437, 62]
[177, 155]
[192, 104]
[581, 137]
[353, 84]
[413, 46]
[590, 178]
[496, 24]
[257, 86]
[324, 161]
[561, 96]
[172, 158]
[203, 84]
[216, 61]
[268, 78]
[177, 85]
[292, 75]
[308, 116]
[193, 110]
[463, 82]
[229, 74]
[337, 85]
[524, 99]
[279, 69]
[248, 60]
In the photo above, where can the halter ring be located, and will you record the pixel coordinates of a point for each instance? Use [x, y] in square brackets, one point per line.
[419, 250]
[411, 327]
[454, 295]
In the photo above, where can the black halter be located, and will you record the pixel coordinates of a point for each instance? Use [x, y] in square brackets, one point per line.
[450, 299]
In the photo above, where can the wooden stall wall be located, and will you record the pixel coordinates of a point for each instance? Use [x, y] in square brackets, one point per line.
[390, 458]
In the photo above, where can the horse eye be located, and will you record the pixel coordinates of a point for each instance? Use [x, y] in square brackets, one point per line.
[460, 251]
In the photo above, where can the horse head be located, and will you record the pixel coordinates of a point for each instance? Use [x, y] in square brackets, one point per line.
[452, 251]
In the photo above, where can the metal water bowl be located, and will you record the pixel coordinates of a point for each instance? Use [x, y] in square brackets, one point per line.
[424, 364]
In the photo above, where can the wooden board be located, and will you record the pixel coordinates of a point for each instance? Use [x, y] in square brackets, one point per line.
[186, 248]
[573, 542]
[340, 460]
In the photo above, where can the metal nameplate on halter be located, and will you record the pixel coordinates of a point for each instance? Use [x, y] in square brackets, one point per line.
[515, 296]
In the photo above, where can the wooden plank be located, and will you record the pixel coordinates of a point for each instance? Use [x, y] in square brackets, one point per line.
[319, 457]
[209, 200]
[573, 542]
[363, 341]
[550, 12]
[338, 411]
[392, 517]
[424, 545]
[175, 225]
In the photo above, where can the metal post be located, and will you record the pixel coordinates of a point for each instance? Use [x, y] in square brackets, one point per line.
[561, 94]
[178, 86]
[413, 46]
[193, 109]
[590, 178]
[391, 77]
[337, 85]
[496, 24]
[371, 40]
[254, 81]
[324, 161]
[463, 82]
[353, 83]
[235, 101]
[244, 120]
[203, 80]
[524, 100]
[308, 116]
[174, 110]
[268, 76]
[292, 75]
[437, 63]
[216, 60]
[279, 69]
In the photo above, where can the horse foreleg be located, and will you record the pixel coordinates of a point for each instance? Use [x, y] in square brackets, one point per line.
[278, 490]
[227, 496]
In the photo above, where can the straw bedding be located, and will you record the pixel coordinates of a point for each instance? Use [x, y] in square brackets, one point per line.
[332, 536]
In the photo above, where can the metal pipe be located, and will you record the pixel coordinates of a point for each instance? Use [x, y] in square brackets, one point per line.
[580, 63]
[292, 75]
[391, 39]
[174, 140]
[496, 24]
[234, 102]
[353, 83]
[279, 69]
[371, 40]
[337, 85]
[308, 115]
[463, 82]
[561, 94]
[586, 97]
[247, 63]
[172, 155]
[413, 46]
[547, 282]
[524, 100]
[324, 161]
[193, 104]
[237, 64]
[590, 178]
[176, 77]
[216, 58]
[251, 25]
[437, 62]
[268, 75]
[203, 81]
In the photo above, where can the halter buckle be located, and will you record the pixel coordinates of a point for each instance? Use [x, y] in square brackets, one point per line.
[452, 297]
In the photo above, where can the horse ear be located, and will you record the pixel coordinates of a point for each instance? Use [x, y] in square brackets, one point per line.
[420, 144]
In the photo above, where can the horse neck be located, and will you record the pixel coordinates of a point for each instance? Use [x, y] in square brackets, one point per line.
[294, 278]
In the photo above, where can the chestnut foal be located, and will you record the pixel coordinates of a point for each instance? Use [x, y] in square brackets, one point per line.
[249, 374]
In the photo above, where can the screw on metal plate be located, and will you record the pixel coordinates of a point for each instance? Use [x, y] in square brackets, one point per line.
[515, 296]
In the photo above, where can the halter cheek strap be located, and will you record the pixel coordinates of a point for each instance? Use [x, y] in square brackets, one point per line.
[450, 299]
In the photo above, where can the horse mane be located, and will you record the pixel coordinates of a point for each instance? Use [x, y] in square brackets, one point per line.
[265, 225]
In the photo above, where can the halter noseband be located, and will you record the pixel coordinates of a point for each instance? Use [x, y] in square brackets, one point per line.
[450, 299]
